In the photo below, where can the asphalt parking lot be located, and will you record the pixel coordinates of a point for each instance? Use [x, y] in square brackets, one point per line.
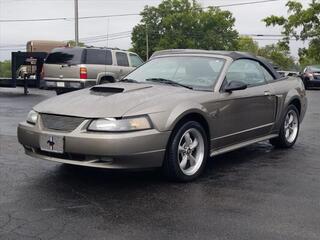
[254, 193]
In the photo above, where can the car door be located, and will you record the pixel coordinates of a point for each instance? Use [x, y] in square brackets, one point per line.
[244, 114]
[135, 60]
[123, 64]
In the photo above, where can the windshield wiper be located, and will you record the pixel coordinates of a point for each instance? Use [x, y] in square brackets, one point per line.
[129, 80]
[167, 81]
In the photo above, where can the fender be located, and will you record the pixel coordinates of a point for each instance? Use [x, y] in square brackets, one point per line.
[294, 94]
[106, 74]
[183, 110]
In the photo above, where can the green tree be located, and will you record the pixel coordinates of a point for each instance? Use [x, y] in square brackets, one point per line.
[279, 56]
[184, 24]
[72, 43]
[246, 44]
[302, 24]
[5, 68]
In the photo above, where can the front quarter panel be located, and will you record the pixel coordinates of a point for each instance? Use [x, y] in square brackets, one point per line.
[167, 120]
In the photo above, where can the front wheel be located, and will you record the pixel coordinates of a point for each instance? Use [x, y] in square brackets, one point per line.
[289, 129]
[187, 152]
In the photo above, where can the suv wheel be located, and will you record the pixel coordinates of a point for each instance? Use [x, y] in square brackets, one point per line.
[187, 152]
[289, 129]
[104, 80]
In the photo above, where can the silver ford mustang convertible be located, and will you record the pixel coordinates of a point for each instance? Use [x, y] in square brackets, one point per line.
[173, 112]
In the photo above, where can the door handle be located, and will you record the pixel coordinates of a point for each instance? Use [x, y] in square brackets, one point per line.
[267, 93]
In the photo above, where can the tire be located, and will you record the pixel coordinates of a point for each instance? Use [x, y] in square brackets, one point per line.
[284, 140]
[185, 163]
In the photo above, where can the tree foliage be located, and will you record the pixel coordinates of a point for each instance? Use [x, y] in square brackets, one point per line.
[274, 52]
[72, 43]
[184, 24]
[302, 24]
[279, 56]
[5, 68]
[247, 44]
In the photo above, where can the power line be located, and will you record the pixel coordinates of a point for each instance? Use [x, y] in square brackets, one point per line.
[125, 34]
[66, 18]
[110, 39]
[123, 15]
[105, 35]
[247, 3]
[93, 39]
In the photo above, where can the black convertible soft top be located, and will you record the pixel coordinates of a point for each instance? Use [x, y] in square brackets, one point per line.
[235, 55]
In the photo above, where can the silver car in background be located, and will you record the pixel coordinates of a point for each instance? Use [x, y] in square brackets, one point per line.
[67, 69]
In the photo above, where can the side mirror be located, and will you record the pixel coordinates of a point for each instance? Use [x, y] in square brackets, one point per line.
[234, 86]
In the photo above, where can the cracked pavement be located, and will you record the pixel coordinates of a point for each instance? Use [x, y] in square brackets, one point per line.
[253, 193]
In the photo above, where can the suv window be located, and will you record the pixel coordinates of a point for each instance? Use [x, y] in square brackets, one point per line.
[135, 60]
[247, 71]
[98, 56]
[65, 56]
[122, 59]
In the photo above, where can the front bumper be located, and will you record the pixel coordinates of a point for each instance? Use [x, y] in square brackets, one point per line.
[131, 150]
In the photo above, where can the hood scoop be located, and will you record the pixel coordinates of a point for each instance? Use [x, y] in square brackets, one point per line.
[106, 89]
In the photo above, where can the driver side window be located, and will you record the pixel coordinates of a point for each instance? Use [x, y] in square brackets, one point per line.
[246, 71]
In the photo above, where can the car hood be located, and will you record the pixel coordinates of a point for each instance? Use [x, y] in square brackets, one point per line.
[114, 100]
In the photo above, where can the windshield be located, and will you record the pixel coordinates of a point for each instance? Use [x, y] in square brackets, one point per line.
[65, 56]
[315, 68]
[196, 72]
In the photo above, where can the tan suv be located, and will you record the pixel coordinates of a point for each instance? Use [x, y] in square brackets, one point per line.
[67, 69]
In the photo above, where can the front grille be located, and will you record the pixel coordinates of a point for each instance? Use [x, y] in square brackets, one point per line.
[60, 123]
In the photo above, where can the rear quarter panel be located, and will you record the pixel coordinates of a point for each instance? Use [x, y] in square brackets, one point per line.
[287, 90]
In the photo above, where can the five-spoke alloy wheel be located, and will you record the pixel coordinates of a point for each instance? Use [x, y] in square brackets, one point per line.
[191, 151]
[289, 130]
[187, 152]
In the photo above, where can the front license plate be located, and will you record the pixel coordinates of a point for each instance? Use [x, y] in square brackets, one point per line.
[51, 143]
[60, 84]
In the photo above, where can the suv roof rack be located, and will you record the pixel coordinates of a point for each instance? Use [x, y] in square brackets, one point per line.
[110, 48]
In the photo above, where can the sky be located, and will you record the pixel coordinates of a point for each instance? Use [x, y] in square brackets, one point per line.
[14, 35]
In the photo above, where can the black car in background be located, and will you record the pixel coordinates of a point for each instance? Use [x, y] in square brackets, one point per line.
[311, 76]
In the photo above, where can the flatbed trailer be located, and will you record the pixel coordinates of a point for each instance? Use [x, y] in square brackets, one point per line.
[35, 59]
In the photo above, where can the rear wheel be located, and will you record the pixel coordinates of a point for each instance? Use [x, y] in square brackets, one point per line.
[107, 79]
[187, 152]
[289, 129]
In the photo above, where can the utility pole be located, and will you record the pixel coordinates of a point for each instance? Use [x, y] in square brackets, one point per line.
[76, 23]
[147, 43]
[108, 24]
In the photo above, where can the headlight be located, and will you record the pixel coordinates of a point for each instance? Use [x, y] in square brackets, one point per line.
[32, 117]
[120, 125]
